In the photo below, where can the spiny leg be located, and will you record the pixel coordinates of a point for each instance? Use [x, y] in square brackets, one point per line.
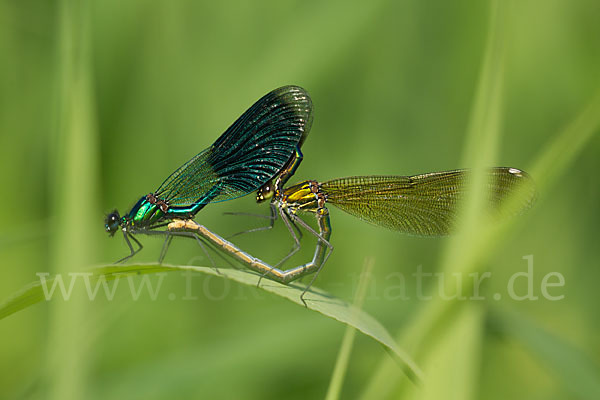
[295, 249]
[200, 239]
[183, 227]
[217, 246]
[293, 218]
[219, 253]
[133, 252]
[165, 247]
[323, 238]
[290, 220]
[166, 243]
[200, 243]
[205, 250]
[169, 237]
[286, 217]
[310, 229]
[256, 264]
[272, 217]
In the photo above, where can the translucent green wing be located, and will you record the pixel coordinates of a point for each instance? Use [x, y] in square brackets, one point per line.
[247, 155]
[424, 205]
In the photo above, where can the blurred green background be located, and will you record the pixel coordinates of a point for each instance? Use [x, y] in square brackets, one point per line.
[100, 101]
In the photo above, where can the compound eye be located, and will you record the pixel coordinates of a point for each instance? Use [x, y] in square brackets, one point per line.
[265, 193]
[111, 224]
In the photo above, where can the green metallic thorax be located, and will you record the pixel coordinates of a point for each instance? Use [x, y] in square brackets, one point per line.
[144, 214]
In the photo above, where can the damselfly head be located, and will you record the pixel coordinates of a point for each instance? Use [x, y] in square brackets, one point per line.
[265, 192]
[111, 224]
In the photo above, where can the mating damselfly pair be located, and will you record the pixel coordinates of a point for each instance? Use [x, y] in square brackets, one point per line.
[261, 151]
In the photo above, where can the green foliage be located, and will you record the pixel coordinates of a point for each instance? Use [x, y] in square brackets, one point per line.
[100, 101]
[315, 299]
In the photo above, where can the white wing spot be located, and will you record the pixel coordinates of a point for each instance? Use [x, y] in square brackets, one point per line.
[515, 171]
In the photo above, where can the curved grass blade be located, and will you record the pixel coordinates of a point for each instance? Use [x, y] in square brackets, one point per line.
[341, 365]
[316, 300]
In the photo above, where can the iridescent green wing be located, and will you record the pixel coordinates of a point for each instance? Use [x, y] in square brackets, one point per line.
[247, 155]
[424, 205]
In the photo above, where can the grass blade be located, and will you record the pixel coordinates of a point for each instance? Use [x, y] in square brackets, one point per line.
[316, 300]
[452, 362]
[73, 182]
[341, 364]
[460, 255]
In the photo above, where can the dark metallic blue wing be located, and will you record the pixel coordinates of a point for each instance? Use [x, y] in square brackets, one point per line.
[250, 152]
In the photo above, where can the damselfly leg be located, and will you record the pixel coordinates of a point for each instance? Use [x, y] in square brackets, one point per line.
[272, 218]
[264, 269]
[127, 235]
